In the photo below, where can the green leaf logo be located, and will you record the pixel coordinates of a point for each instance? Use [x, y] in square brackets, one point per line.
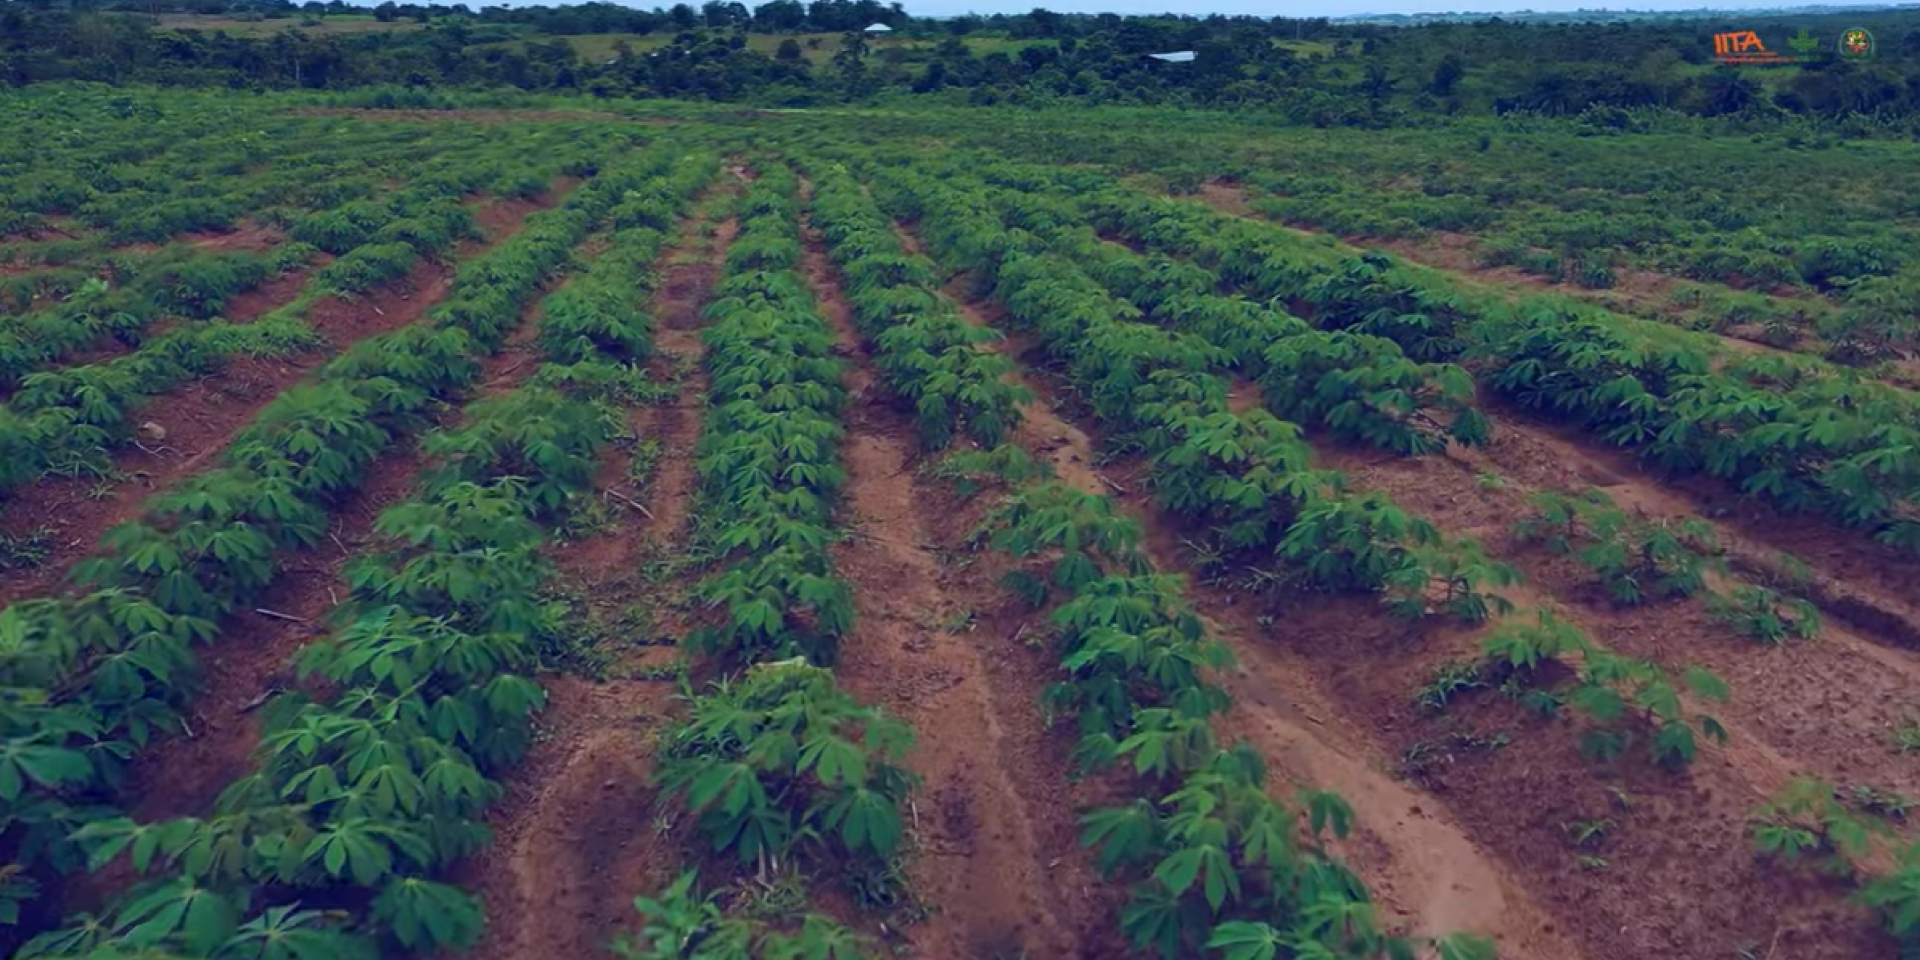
[1803, 42]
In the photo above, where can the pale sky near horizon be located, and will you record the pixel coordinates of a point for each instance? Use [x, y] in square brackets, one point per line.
[1309, 8]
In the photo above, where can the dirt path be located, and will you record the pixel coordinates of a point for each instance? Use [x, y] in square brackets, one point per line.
[574, 837]
[1430, 873]
[198, 421]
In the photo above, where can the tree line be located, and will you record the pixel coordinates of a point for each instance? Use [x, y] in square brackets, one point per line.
[1310, 70]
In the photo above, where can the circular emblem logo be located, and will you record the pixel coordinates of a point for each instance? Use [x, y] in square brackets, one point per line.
[1856, 44]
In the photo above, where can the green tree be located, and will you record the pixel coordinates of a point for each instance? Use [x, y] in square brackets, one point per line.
[1727, 90]
[850, 63]
[1447, 75]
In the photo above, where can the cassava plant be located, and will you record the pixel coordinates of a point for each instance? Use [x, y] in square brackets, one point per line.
[1638, 560]
[782, 763]
[377, 775]
[1615, 692]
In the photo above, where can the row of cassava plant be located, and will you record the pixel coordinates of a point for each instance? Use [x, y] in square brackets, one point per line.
[372, 779]
[1246, 475]
[1800, 433]
[180, 282]
[113, 664]
[69, 420]
[595, 316]
[1217, 862]
[776, 764]
[1357, 386]
[927, 353]
[187, 284]
[1813, 827]
[1637, 560]
[1636, 564]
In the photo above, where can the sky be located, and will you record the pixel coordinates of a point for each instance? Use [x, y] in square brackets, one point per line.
[1312, 8]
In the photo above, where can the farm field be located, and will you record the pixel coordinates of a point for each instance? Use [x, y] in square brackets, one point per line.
[661, 530]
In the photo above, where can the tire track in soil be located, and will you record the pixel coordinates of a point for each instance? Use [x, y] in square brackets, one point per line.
[1420, 862]
[201, 418]
[574, 840]
[994, 852]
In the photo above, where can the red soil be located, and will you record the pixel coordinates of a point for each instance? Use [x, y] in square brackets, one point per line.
[250, 237]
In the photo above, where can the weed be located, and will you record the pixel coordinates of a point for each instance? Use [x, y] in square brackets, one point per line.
[1450, 679]
[1588, 834]
[960, 621]
[1906, 738]
[1885, 803]
[879, 885]
[589, 516]
[644, 462]
[572, 641]
[25, 551]
[1765, 615]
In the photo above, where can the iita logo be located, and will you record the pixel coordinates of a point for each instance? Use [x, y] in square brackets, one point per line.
[1856, 44]
[1745, 46]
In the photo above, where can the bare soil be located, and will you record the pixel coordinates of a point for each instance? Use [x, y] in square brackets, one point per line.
[1679, 874]
[1675, 874]
[249, 237]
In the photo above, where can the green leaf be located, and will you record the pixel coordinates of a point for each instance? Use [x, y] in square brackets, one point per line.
[1241, 940]
[1464, 946]
[834, 761]
[426, 915]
